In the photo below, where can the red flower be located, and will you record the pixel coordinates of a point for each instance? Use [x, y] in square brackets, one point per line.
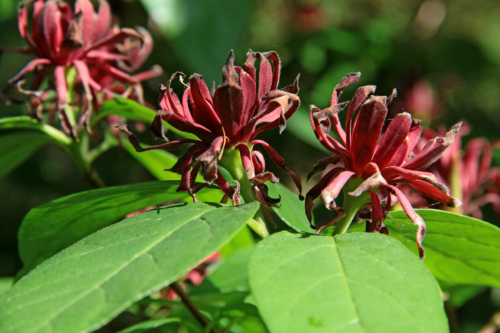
[61, 39]
[468, 174]
[378, 163]
[226, 118]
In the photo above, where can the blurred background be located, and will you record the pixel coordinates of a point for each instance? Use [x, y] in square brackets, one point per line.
[442, 56]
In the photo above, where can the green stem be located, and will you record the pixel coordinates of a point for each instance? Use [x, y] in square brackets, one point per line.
[232, 163]
[351, 205]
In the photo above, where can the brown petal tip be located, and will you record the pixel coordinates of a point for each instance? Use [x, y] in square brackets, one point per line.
[393, 95]
[454, 203]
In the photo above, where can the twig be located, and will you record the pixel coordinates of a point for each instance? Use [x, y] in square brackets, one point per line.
[493, 325]
[204, 322]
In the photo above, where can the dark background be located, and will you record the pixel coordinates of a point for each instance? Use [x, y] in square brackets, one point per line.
[452, 46]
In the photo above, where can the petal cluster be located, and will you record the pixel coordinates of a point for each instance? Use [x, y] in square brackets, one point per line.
[61, 38]
[380, 160]
[476, 184]
[227, 117]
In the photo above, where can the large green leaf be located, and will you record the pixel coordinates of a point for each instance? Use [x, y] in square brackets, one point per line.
[16, 148]
[459, 249]
[291, 209]
[348, 283]
[49, 228]
[132, 110]
[89, 283]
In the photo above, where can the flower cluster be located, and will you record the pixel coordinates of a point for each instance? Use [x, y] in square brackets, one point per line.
[227, 119]
[61, 40]
[376, 163]
[468, 174]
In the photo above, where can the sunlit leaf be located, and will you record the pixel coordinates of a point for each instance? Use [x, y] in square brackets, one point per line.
[459, 249]
[51, 227]
[353, 282]
[89, 283]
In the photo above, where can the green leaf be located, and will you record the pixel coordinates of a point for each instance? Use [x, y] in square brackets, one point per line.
[51, 227]
[89, 283]
[459, 249]
[132, 110]
[26, 122]
[5, 284]
[348, 283]
[291, 209]
[16, 148]
[149, 324]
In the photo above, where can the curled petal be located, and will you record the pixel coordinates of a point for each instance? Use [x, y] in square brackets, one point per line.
[329, 143]
[433, 192]
[374, 181]
[280, 161]
[393, 172]
[258, 161]
[209, 159]
[116, 37]
[317, 189]
[249, 64]
[433, 150]
[348, 80]
[31, 66]
[331, 192]
[329, 112]
[166, 146]
[323, 164]
[413, 216]
[228, 190]
[264, 177]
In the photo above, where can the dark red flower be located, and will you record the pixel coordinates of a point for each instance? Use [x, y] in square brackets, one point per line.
[227, 118]
[60, 39]
[376, 162]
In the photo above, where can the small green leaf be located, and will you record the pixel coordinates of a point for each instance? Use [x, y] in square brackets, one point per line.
[459, 249]
[132, 110]
[49, 228]
[353, 282]
[84, 286]
[291, 209]
[16, 148]
[149, 324]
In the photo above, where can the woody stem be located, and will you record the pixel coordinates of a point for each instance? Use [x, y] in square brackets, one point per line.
[232, 163]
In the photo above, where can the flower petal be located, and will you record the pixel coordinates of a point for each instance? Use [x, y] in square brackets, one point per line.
[323, 164]
[246, 159]
[31, 66]
[366, 131]
[377, 215]
[316, 190]
[373, 181]
[229, 100]
[433, 192]
[166, 146]
[432, 150]
[393, 138]
[203, 111]
[359, 97]
[331, 192]
[413, 216]
[209, 159]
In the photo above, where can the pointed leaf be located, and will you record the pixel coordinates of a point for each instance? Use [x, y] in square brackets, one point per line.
[353, 282]
[147, 325]
[459, 249]
[51, 227]
[86, 285]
